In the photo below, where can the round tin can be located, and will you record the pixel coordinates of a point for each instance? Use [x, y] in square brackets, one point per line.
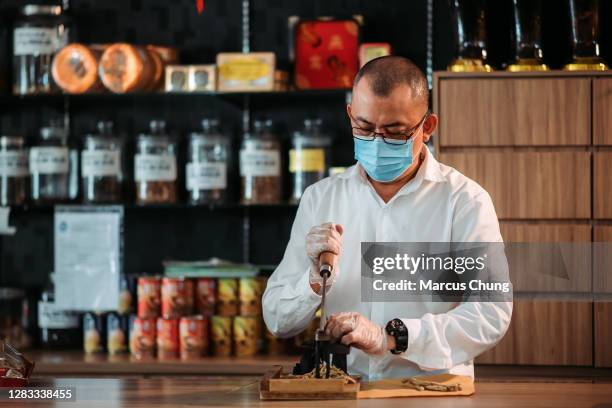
[149, 297]
[245, 335]
[116, 333]
[250, 296]
[227, 297]
[142, 337]
[93, 332]
[193, 335]
[206, 296]
[177, 297]
[221, 335]
[167, 338]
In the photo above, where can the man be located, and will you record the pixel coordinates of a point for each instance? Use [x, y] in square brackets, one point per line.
[397, 192]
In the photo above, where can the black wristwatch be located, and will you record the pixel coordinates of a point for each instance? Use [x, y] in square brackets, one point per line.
[399, 331]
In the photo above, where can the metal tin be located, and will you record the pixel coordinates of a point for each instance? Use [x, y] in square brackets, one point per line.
[245, 335]
[193, 337]
[149, 297]
[167, 338]
[177, 297]
[227, 297]
[93, 333]
[142, 337]
[117, 333]
[221, 335]
[250, 291]
[206, 296]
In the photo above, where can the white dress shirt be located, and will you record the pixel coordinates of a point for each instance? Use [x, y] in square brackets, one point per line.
[438, 205]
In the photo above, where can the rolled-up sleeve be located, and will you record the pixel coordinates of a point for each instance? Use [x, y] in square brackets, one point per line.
[289, 303]
[442, 341]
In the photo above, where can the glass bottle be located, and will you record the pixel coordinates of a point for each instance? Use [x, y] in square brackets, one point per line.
[260, 166]
[585, 15]
[50, 166]
[101, 166]
[470, 36]
[59, 328]
[206, 170]
[309, 157]
[39, 32]
[13, 170]
[155, 166]
[527, 36]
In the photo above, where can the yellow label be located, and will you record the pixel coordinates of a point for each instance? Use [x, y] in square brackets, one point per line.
[306, 160]
[244, 69]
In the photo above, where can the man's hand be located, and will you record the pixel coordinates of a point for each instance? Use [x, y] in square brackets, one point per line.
[357, 331]
[323, 238]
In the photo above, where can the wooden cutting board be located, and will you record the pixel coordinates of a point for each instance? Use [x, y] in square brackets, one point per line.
[394, 388]
[274, 387]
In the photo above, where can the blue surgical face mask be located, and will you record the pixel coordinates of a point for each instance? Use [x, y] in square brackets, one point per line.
[383, 161]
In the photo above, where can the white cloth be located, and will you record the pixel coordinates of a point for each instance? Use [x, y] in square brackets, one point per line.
[438, 205]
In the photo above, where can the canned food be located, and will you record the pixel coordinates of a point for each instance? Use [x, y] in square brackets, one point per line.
[117, 333]
[93, 332]
[227, 297]
[142, 337]
[149, 297]
[250, 296]
[167, 338]
[245, 335]
[221, 335]
[205, 296]
[193, 335]
[177, 297]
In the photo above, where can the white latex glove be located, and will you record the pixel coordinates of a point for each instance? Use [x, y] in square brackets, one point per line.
[357, 331]
[323, 238]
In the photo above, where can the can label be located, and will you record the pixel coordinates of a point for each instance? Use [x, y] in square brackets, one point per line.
[177, 297]
[142, 337]
[205, 296]
[193, 334]
[221, 335]
[245, 335]
[116, 329]
[149, 297]
[167, 338]
[227, 297]
[250, 296]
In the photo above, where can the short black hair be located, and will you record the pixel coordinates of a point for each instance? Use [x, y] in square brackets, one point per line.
[386, 73]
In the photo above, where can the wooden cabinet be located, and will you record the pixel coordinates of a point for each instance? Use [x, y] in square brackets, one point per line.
[515, 112]
[602, 260]
[546, 333]
[602, 184]
[603, 334]
[561, 263]
[530, 185]
[602, 111]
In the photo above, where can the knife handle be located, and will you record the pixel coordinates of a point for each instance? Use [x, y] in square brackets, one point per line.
[326, 263]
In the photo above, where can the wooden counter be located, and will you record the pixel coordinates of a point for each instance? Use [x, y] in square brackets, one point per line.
[243, 391]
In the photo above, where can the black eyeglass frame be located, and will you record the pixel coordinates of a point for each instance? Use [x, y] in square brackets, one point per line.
[396, 139]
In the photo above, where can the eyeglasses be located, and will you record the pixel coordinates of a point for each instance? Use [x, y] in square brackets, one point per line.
[398, 138]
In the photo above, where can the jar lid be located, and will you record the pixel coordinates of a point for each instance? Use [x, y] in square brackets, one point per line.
[14, 141]
[41, 9]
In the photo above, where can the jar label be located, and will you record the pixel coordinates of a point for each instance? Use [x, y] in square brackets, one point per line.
[13, 164]
[155, 167]
[49, 160]
[52, 317]
[100, 163]
[259, 162]
[306, 160]
[206, 176]
[35, 40]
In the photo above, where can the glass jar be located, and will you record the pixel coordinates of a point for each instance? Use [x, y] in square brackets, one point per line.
[206, 170]
[50, 166]
[101, 166]
[155, 166]
[59, 328]
[309, 157]
[39, 32]
[260, 166]
[13, 170]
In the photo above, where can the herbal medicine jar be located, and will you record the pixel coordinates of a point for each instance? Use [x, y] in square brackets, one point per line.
[50, 166]
[13, 171]
[308, 157]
